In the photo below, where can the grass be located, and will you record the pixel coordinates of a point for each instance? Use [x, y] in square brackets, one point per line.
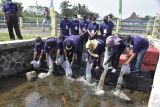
[5, 36]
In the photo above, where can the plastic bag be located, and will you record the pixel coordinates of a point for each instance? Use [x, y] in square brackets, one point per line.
[31, 75]
[60, 60]
[155, 94]
[50, 63]
[36, 64]
[67, 67]
[106, 57]
[126, 69]
[88, 72]
[42, 75]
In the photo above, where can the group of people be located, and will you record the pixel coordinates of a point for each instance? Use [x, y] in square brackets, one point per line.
[75, 34]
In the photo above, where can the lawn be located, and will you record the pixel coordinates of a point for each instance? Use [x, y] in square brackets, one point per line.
[5, 36]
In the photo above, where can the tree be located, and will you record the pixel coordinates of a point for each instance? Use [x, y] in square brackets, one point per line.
[147, 18]
[64, 6]
[81, 9]
[20, 8]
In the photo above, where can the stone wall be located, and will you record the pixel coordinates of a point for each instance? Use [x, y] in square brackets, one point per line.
[15, 56]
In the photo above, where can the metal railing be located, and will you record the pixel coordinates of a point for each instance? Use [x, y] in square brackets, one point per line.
[120, 26]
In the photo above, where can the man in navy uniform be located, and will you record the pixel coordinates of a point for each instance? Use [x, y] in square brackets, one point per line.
[74, 26]
[93, 28]
[110, 24]
[104, 28]
[64, 27]
[53, 49]
[12, 17]
[83, 30]
[72, 49]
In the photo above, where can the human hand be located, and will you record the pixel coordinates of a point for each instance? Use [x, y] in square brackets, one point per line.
[126, 63]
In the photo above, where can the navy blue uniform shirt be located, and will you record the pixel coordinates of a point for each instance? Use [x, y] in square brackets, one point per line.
[75, 27]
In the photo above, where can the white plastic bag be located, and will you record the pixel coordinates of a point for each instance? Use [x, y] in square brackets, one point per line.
[42, 75]
[36, 64]
[50, 63]
[126, 69]
[67, 67]
[155, 94]
[88, 72]
[31, 75]
[106, 57]
[60, 60]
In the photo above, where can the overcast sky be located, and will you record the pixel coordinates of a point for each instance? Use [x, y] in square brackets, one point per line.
[103, 7]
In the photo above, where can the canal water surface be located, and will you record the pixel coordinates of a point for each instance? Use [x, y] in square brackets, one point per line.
[58, 91]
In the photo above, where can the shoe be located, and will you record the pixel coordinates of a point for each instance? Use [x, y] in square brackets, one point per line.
[113, 70]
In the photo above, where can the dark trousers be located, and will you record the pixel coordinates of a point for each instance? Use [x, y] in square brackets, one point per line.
[116, 57]
[12, 22]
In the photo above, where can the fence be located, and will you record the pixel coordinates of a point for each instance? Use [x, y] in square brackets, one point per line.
[120, 26]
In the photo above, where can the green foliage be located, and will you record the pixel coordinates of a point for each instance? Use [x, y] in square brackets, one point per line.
[70, 11]
[20, 8]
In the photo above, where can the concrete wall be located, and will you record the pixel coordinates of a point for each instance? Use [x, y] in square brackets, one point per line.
[15, 56]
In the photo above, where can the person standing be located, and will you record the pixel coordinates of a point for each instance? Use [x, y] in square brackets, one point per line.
[104, 28]
[83, 30]
[74, 26]
[11, 12]
[46, 19]
[110, 25]
[93, 28]
[64, 28]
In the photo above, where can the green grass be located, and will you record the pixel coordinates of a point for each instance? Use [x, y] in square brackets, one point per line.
[5, 36]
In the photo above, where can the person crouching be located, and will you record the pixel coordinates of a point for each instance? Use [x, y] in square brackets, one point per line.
[52, 50]
[38, 56]
[117, 46]
[72, 49]
[95, 48]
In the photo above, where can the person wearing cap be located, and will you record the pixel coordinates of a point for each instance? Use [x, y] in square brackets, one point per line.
[83, 31]
[117, 46]
[104, 28]
[74, 26]
[140, 46]
[53, 48]
[95, 48]
[110, 25]
[11, 12]
[72, 49]
[38, 49]
[65, 27]
[93, 28]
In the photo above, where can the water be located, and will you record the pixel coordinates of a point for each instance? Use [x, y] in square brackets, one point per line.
[57, 91]
[100, 88]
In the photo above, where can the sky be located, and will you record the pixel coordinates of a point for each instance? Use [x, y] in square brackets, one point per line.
[104, 7]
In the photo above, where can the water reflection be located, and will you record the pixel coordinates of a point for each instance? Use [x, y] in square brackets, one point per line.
[57, 91]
